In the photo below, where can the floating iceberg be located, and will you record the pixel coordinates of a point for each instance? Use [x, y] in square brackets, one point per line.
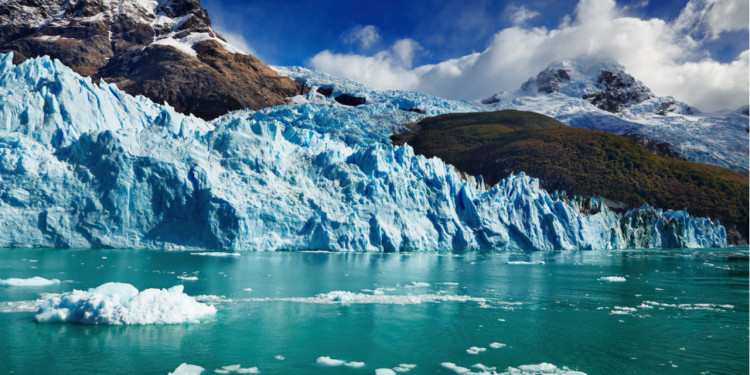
[613, 279]
[86, 165]
[187, 369]
[32, 281]
[119, 303]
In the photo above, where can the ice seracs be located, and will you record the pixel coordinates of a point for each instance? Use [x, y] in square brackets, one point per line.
[120, 304]
[85, 165]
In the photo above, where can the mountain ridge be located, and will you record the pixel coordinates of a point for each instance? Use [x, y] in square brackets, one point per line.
[603, 96]
[165, 50]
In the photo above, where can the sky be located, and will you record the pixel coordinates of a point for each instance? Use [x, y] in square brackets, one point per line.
[694, 50]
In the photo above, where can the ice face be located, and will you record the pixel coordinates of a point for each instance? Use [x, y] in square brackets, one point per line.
[119, 303]
[85, 165]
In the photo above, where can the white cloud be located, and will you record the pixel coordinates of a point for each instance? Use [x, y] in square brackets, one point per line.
[663, 55]
[713, 17]
[236, 40]
[519, 15]
[389, 69]
[365, 36]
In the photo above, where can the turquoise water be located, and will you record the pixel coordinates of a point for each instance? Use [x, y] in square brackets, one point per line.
[558, 312]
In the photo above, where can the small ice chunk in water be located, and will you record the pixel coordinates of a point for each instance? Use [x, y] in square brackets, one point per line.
[251, 370]
[475, 350]
[188, 278]
[187, 369]
[354, 364]
[279, 357]
[613, 279]
[404, 367]
[418, 284]
[497, 345]
[231, 367]
[248, 289]
[455, 368]
[384, 371]
[328, 361]
[32, 281]
[482, 367]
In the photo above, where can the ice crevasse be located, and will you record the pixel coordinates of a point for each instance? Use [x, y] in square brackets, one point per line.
[86, 165]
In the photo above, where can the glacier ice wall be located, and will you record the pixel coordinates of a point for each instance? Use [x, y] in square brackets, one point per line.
[85, 165]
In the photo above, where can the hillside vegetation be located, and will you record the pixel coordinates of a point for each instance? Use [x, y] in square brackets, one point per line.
[582, 162]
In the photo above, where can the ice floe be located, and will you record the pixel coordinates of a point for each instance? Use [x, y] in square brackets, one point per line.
[525, 262]
[613, 279]
[404, 367]
[536, 369]
[455, 368]
[345, 297]
[187, 369]
[497, 345]
[475, 350]
[120, 303]
[328, 361]
[32, 281]
[216, 254]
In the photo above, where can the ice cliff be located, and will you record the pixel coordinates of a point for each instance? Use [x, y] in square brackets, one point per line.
[86, 165]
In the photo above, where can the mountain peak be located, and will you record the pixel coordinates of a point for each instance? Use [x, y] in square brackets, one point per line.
[606, 85]
[163, 49]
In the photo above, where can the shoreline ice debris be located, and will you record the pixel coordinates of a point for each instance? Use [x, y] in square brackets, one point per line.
[88, 166]
[122, 304]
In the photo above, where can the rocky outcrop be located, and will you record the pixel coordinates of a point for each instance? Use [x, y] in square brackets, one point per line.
[547, 81]
[350, 100]
[617, 91]
[165, 50]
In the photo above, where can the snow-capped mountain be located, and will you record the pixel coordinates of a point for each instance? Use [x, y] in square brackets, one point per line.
[87, 165]
[165, 50]
[603, 96]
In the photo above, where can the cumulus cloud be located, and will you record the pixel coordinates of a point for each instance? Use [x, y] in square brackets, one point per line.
[712, 17]
[236, 40]
[667, 57]
[364, 36]
[388, 69]
[519, 15]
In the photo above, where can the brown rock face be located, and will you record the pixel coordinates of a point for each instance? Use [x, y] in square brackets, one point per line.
[166, 51]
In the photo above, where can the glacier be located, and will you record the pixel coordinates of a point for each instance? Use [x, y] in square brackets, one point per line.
[85, 165]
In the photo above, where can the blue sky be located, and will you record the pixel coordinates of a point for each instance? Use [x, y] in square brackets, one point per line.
[335, 36]
[292, 31]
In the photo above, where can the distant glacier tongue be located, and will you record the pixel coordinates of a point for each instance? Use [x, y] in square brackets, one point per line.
[86, 165]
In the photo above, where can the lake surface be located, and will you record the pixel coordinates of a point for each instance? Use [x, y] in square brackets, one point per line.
[677, 312]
